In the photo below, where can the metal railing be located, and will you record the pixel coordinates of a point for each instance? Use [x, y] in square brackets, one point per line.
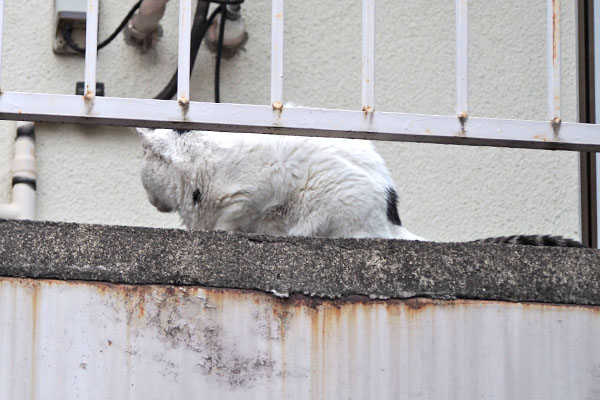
[277, 119]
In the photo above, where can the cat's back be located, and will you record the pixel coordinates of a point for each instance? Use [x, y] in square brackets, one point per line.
[299, 151]
[349, 154]
[284, 165]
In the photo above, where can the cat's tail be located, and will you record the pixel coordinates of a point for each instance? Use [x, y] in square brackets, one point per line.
[531, 240]
[519, 240]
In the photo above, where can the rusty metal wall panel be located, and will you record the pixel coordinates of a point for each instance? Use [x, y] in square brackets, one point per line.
[82, 340]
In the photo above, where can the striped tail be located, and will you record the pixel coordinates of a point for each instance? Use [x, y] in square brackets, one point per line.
[531, 240]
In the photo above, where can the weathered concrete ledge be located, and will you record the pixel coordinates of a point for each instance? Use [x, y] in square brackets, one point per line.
[317, 267]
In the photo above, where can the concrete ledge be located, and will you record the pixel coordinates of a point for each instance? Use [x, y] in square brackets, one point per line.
[318, 267]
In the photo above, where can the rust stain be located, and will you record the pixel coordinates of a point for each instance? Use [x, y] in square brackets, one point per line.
[323, 348]
[125, 291]
[89, 95]
[540, 136]
[418, 303]
[279, 15]
[555, 11]
[556, 123]
[294, 301]
[282, 317]
[332, 313]
[368, 109]
[141, 309]
[462, 118]
[35, 305]
[315, 349]
[323, 312]
[184, 104]
[277, 106]
[351, 315]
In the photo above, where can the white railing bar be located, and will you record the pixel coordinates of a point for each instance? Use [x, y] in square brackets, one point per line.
[1, 34]
[183, 56]
[553, 47]
[300, 121]
[277, 54]
[91, 48]
[462, 59]
[368, 55]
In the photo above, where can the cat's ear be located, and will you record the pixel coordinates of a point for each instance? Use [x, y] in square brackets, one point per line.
[156, 140]
[145, 135]
[160, 142]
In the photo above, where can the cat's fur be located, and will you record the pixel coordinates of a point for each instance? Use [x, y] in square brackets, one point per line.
[275, 185]
[531, 240]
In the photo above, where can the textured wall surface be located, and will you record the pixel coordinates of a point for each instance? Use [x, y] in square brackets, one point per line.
[90, 174]
[319, 267]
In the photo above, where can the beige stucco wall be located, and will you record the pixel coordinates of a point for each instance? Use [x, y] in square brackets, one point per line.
[90, 174]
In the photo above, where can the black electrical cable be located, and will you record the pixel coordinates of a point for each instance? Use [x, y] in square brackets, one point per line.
[219, 53]
[199, 29]
[67, 30]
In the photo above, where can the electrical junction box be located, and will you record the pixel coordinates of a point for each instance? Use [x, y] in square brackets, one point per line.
[73, 13]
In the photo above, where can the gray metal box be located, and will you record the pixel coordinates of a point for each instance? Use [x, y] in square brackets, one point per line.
[69, 12]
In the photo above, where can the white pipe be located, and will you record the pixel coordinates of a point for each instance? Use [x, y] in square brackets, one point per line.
[23, 176]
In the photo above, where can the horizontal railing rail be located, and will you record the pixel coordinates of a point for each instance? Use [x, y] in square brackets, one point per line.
[276, 118]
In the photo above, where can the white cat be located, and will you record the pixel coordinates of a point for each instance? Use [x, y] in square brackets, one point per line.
[273, 185]
[281, 185]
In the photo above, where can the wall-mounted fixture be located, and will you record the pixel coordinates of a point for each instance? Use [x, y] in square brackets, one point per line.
[143, 29]
[235, 35]
[69, 14]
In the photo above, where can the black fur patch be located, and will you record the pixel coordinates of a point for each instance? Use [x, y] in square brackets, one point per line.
[181, 131]
[392, 207]
[197, 196]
